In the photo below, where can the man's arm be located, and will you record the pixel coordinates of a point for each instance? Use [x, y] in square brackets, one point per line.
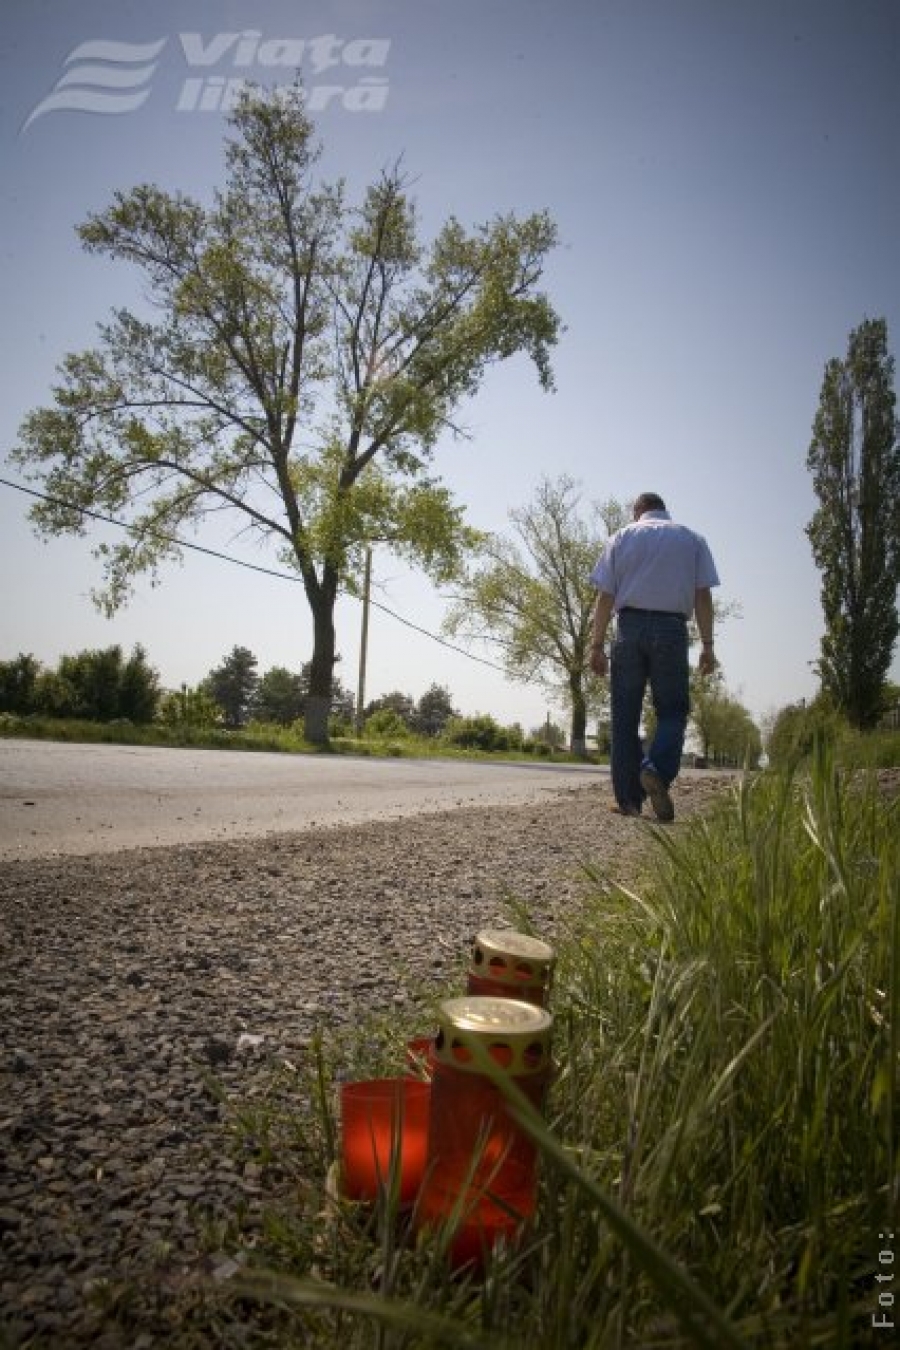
[703, 613]
[602, 615]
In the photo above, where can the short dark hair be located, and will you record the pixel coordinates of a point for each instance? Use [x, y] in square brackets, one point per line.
[648, 501]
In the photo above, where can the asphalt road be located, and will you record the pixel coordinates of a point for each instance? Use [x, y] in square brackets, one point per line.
[60, 798]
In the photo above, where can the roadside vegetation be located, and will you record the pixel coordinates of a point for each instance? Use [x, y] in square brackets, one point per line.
[105, 696]
[102, 696]
[719, 1151]
[795, 729]
[473, 737]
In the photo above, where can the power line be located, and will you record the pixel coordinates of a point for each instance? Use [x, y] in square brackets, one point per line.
[238, 562]
[156, 534]
[434, 637]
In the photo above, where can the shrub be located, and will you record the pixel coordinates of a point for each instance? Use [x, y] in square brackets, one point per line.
[872, 749]
[542, 749]
[481, 732]
[18, 681]
[386, 725]
[797, 726]
[340, 727]
[98, 686]
[188, 707]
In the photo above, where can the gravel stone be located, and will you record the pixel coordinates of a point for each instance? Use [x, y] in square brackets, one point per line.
[129, 980]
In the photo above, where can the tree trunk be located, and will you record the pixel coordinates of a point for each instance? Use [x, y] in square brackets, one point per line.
[578, 731]
[321, 671]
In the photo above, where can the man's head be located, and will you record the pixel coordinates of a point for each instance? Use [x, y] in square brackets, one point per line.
[647, 501]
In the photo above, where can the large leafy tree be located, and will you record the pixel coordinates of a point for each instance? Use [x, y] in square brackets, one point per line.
[302, 360]
[532, 596]
[18, 684]
[433, 711]
[854, 458]
[279, 696]
[139, 688]
[233, 685]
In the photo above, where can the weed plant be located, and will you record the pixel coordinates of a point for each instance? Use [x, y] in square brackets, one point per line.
[719, 1151]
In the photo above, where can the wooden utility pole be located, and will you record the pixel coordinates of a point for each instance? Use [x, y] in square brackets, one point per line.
[363, 644]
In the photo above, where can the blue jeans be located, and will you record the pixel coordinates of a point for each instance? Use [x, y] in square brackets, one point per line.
[650, 647]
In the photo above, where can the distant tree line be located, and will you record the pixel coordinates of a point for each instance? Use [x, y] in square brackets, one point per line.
[239, 695]
[277, 696]
[105, 686]
[97, 686]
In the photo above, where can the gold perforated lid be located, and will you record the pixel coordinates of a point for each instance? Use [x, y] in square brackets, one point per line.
[515, 1034]
[512, 958]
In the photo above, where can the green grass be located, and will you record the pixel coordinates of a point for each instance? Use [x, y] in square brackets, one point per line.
[720, 1147]
[82, 731]
[258, 737]
[746, 1002]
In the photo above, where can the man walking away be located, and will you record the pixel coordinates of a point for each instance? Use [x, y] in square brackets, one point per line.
[653, 575]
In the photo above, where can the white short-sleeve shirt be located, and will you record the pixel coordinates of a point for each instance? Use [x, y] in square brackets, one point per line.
[655, 563]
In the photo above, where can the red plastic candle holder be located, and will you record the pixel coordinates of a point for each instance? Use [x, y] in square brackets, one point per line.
[477, 1219]
[420, 1057]
[507, 964]
[384, 1135]
[481, 1173]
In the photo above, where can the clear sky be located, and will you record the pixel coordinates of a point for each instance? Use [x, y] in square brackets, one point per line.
[725, 176]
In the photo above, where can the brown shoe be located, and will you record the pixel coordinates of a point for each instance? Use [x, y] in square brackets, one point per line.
[658, 793]
[625, 810]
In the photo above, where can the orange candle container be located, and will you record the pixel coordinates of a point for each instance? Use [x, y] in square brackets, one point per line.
[384, 1132]
[507, 964]
[481, 1173]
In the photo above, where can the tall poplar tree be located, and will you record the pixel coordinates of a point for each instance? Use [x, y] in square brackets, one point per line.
[854, 459]
[301, 360]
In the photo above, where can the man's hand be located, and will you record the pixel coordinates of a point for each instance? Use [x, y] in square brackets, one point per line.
[599, 661]
[602, 614]
[707, 662]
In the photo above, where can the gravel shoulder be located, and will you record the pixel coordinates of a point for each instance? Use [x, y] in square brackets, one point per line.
[129, 980]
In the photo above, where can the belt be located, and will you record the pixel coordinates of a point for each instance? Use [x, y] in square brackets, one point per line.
[657, 613]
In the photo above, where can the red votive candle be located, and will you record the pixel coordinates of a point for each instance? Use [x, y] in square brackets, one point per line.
[384, 1132]
[481, 1172]
[507, 964]
[479, 1219]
